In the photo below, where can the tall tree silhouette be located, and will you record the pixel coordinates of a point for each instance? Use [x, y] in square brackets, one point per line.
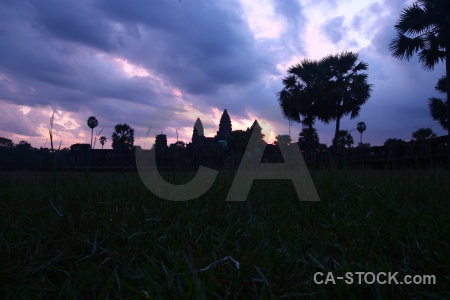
[328, 89]
[361, 127]
[346, 88]
[438, 107]
[301, 92]
[92, 123]
[302, 96]
[309, 138]
[123, 138]
[102, 140]
[344, 139]
[424, 28]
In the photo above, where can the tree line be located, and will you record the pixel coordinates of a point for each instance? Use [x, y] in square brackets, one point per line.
[210, 152]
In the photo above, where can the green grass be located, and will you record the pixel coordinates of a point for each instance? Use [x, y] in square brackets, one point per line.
[101, 235]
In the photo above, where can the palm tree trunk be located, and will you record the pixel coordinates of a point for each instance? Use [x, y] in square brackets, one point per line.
[335, 140]
[447, 71]
[336, 132]
[92, 133]
[360, 140]
[310, 150]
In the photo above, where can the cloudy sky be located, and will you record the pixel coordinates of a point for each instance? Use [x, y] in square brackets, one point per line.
[163, 63]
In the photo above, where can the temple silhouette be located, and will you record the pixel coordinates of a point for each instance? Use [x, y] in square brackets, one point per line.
[225, 149]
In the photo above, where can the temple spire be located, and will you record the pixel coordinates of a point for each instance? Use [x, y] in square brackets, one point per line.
[198, 132]
[224, 126]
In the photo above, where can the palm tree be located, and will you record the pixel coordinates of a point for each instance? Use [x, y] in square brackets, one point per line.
[301, 92]
[424, 28]
[123, 138]
[300, 97]
[438, 106]
[328, 89]
[309, 138]
[92, 123]
[102, 140]
[346, 88]
[344, 139]
[361, 127]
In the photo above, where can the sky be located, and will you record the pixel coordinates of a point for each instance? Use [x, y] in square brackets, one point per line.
[161, 64]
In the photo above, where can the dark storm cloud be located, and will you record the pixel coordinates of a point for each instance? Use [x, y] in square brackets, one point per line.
[74, 21]
[53, 51]
[40, 70]
[203, 39]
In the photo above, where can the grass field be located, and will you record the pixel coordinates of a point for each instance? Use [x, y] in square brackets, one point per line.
[104, 235]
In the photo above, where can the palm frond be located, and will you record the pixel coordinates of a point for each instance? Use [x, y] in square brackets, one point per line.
[431, 53]
[441, 85]
[423, 28]
[362, 66]
[414, 20]
[403, 47]
[438, 111]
